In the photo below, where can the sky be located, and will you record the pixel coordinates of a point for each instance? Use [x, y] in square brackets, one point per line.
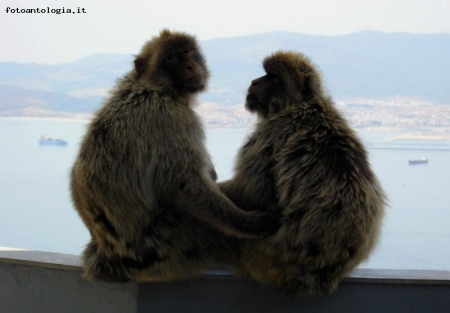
[124, 26]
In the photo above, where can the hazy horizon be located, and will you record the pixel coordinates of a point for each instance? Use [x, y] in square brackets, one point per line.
[118, 27]
[224, 37]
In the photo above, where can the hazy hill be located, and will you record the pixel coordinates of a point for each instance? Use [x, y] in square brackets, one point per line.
[366, 64]
[17, 101]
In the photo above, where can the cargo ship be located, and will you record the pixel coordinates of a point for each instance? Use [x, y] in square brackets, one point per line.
[418, 161]
[49, 141]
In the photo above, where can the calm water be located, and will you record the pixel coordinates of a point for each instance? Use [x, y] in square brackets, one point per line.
[36, 213]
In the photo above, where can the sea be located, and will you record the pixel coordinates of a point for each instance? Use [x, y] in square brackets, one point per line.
[36, 212]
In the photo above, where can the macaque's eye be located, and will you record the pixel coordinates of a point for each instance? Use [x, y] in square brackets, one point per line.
[171, 57]
[189, 53]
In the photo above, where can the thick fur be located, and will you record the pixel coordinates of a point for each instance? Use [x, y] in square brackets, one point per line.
[304, 161]
[143, 182]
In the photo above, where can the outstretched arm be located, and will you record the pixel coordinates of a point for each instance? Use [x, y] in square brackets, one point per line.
[250, 192]
[203, 199]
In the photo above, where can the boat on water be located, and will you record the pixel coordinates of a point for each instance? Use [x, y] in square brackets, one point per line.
[418, 161]
[49, 141]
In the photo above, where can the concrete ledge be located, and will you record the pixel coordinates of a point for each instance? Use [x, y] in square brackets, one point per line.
[40, 259]
[32, 281]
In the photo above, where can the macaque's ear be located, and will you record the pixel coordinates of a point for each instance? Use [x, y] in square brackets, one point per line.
[139, 66]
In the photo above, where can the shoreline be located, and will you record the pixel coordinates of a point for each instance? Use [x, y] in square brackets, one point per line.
[434, 134]
[419, 136]
[39, 118]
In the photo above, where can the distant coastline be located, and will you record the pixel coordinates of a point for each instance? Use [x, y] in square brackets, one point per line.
[430, 134]
[41, 118]
[419, 136]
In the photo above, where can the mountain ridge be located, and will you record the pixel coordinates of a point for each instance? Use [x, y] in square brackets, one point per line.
[366, 64]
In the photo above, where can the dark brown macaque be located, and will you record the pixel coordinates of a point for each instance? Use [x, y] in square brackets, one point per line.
[303, 161]
[143, 182]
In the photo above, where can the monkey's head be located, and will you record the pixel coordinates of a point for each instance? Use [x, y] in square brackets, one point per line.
[172, 61]
[290, 79]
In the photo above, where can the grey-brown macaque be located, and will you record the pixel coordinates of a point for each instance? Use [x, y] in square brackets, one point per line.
[143, 182]
[304, 162]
